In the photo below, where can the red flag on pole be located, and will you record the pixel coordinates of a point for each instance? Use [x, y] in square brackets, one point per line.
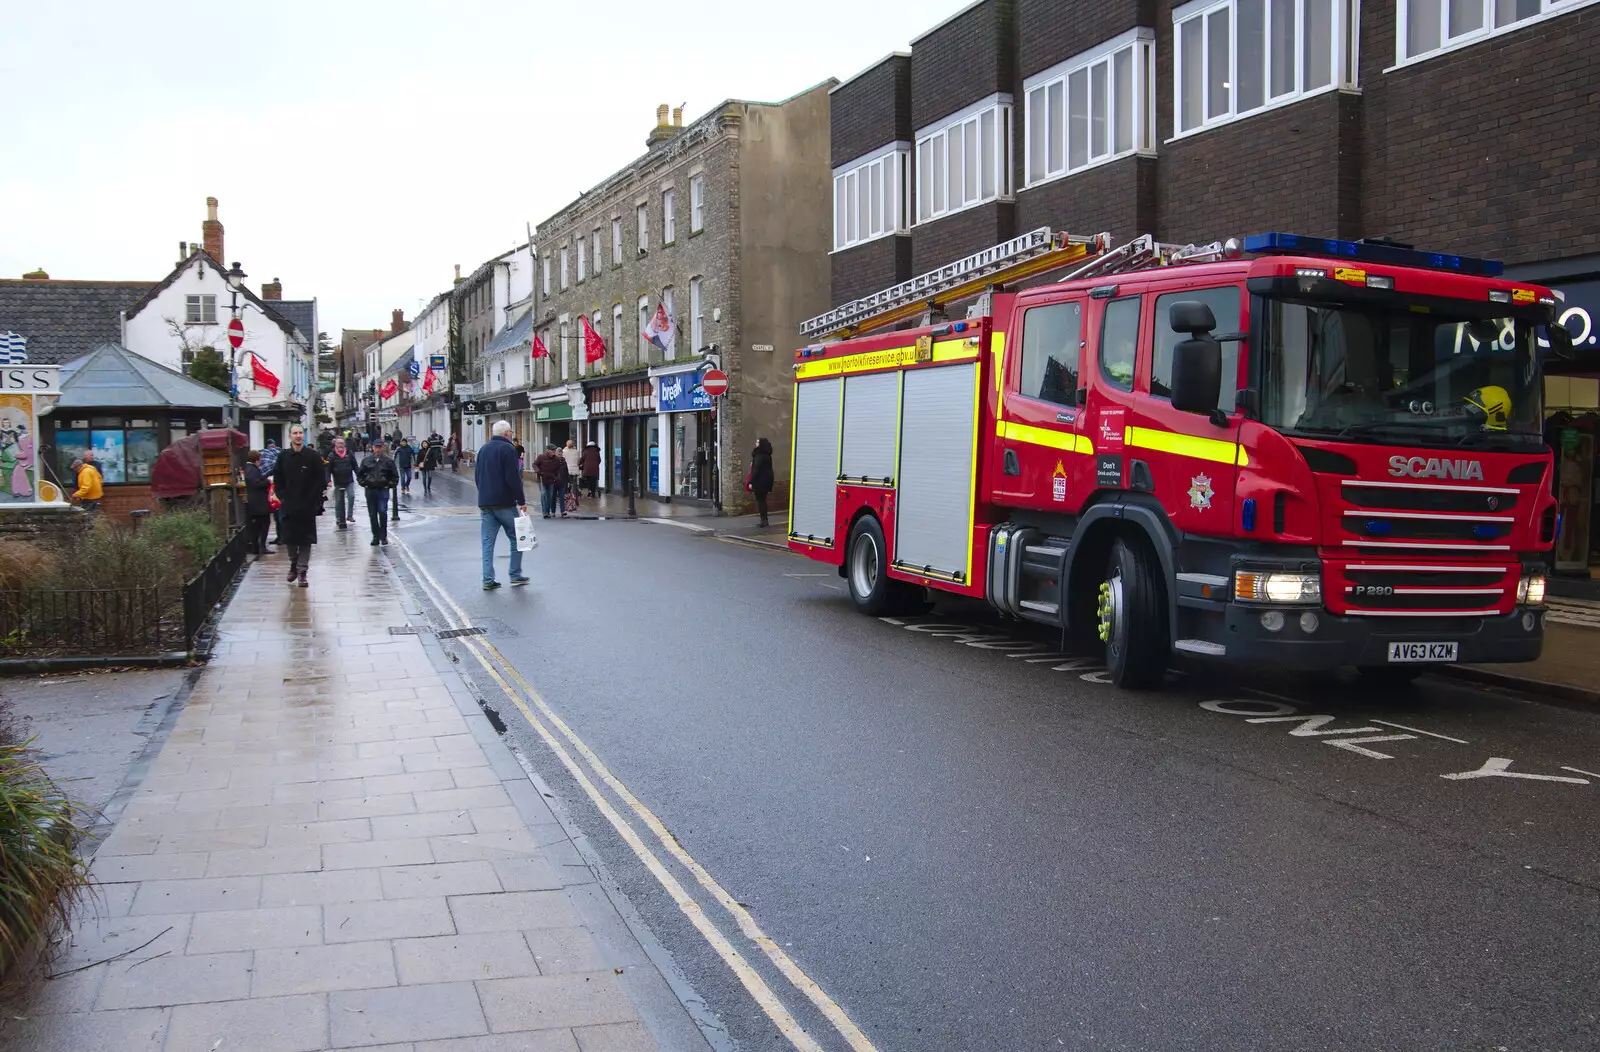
[539, 349]
[262, 376]
[427, 383]
[388, 389]
[594, 348]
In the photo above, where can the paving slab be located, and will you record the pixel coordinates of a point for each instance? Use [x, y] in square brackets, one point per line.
[308, 858]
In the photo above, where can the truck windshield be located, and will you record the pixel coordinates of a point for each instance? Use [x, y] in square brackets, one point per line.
[1393, 375]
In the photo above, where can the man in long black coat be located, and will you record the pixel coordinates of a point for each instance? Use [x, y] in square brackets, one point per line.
[301, 480]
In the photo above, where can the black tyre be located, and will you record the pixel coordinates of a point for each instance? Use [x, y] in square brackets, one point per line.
[1131, 617]
[1389, 675]
[866, 559]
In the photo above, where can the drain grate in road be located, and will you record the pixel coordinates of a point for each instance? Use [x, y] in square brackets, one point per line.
[452, 633]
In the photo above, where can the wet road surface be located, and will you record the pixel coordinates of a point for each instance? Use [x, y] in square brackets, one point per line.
[966, 840]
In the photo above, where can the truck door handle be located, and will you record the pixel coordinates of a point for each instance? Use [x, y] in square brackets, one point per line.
[1013, 466]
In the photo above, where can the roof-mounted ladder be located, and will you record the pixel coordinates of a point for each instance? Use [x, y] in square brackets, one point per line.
[1037, 252]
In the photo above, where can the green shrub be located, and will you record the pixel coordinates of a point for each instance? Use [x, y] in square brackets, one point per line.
[115, 556]
[41, 875]
[190, 531]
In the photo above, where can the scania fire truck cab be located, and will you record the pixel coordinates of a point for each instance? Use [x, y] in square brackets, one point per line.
[1299, 452]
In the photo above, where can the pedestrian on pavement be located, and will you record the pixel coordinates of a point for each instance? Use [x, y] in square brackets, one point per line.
[574, 458]
[378, 475]
[761, 475]
[301, 481]
[342, 473]
[450, 452]
[500, 498]
[589, 469]
[405, 455]
[432, 456]
[522, 455]
[89, 492]
[257, 507]
[548, 466]
[269, 464]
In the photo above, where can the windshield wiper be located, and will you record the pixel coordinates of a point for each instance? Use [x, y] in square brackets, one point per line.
[1376, 425]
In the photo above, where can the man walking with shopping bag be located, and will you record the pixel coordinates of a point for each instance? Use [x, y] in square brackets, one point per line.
[500, 500]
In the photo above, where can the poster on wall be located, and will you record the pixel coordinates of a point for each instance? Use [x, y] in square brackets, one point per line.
[25, 391]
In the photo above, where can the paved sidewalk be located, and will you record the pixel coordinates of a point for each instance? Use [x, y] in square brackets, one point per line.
[334, 850]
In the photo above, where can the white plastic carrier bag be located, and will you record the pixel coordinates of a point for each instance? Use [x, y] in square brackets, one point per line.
[527, 540]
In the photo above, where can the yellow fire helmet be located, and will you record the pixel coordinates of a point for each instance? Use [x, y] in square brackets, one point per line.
[1492, 404]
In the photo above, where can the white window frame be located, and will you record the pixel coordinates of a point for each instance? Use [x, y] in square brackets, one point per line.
[1486, 30]
[697, 325]
[886, 170]
[583, 259]
[564, 282]
[644, 322]
[669, 216]
[641, 214]
[200, 309]
[564, 326]
[616, 335]
[697, 202]
[547, 274]
[595, 241]
[935, 143]
[1059, 81]
[616, 241]
[1343, 59]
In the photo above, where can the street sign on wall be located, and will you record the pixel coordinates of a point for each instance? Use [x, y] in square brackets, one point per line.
[436, 362]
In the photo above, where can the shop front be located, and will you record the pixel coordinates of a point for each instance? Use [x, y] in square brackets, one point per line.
[687, 419]
[1572, 413]
[553, 422]
[623, 420]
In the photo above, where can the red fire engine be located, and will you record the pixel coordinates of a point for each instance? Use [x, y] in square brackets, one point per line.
[1295, 451]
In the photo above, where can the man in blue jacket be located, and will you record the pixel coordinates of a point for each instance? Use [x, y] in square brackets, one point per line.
[500, 498]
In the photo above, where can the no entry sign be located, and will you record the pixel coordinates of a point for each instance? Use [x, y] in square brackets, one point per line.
[715, 381]
[236, 333]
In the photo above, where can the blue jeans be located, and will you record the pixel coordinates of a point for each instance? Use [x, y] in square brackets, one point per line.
[344, 503]
[491, 522]
[547, 497]
[405, 478]
[378, 513]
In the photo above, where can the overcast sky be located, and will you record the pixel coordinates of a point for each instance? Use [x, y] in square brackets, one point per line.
[360, 149]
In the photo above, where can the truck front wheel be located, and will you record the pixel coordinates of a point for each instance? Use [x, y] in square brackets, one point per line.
[1131, 618]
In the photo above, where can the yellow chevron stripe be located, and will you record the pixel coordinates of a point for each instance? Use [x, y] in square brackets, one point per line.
[1220, 450]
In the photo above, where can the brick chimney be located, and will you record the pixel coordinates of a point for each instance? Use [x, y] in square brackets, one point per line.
[397, 322]
[677, 116]
[458, 273]
[272, 290]
[663, 131]
[183, 252]
[211, 233]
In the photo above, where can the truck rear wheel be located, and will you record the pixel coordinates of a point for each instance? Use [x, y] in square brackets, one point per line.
[865, 566]
[1131, 618]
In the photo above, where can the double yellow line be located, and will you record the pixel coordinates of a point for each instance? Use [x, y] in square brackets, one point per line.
[564, 742]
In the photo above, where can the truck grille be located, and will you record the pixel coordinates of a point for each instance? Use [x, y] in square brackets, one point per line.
[1368, 589]
[1425, 516]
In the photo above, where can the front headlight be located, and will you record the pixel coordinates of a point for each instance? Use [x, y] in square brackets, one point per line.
[1530, 591]
[1256, 586]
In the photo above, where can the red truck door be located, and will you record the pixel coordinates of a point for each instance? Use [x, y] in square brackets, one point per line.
[1038, 436]
[1189, 462]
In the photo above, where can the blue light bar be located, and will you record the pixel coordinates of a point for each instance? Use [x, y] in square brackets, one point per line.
[1367, 252]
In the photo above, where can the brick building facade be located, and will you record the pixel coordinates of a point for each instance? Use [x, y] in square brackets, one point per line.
[721, 228]
[1203, 120]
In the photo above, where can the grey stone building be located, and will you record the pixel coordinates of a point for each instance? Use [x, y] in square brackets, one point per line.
[715, 243]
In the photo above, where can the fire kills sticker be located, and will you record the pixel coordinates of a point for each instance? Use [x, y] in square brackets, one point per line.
[1200, 493]
[1058, 484]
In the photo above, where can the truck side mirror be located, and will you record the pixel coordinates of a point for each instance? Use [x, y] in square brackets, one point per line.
[1562, 358]
[1197, 361]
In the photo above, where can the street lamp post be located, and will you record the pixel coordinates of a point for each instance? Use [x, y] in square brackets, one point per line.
[236, 276]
